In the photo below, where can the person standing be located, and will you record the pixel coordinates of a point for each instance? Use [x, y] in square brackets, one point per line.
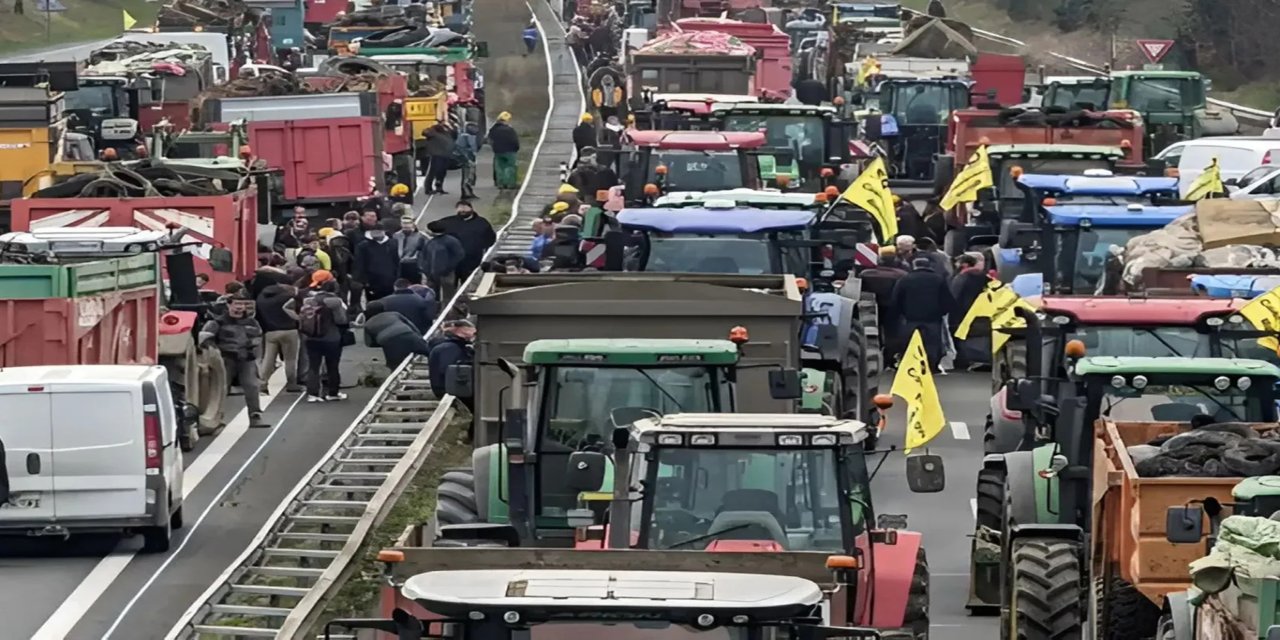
[452, 347]
[440, 259]
[410, 242]
[394, 333]
[322, 319]
[610, 142]
[923, 299]
[280, 335]
[439, 147]
[474, 232]
[419, 311]
[530, 37]
[584, 135]
[466, 149]
[377, 264]
[238, 337]
[880, 281]
[505, 144]
[974, 352]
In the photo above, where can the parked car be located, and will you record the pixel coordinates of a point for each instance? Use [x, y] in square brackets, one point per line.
[1263, 183]
[90, 449]
[1237, 155]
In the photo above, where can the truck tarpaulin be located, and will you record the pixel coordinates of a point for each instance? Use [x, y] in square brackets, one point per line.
[226, 221]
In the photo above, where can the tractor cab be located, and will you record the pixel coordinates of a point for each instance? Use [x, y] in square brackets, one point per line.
[653, 162]
[817, 139]
[1075, 93]
[917, 112]
[1070, 225]
[717, 240]
[1174, 106]
[684, 111]
[754, 198]
[567, 397]
[106, 109]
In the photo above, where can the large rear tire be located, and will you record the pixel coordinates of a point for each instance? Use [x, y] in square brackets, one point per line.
[917, 615]
[867, 346]
[1045, 591]
[990, 494]
[456, 498]
[1130, 615]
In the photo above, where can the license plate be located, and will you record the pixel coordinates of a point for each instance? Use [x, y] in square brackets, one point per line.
[22, 501]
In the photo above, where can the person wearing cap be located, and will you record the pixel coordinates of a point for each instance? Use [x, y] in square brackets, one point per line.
[880, 281]
[505, 144]
[584, 135]
[923, 299]
[410, 243]
[530, 37]
[401, 193]
[474, 232]
[323, 341]
[452, 346]
[440, 258]
[377, 264]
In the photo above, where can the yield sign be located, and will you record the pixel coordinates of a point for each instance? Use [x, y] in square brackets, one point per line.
[1155, 50]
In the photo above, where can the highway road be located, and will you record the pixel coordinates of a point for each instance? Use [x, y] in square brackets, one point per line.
[79, 51]
[946, 518]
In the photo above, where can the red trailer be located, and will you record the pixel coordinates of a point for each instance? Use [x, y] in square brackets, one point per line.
[227, 221]
[397, 140]
[772, 45]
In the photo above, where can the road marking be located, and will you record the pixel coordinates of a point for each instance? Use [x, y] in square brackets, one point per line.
[973, 506]
[217, 500]
[960, 430]
[96, 583]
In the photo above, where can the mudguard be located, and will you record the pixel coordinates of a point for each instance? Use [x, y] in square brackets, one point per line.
[1020, 487]
[895, 566]
[177, 322]
[1182, 614]
[813, 386]
[1046, 488]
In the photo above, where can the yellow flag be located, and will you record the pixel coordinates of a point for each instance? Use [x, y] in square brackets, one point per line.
[871, 192]
[128, 20]
[1208, 182]
[999, 303]
[1263, 312]
[870, 67]
[975, 175]
[914, 383]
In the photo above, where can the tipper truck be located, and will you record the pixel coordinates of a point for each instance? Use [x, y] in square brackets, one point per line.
[32, 125]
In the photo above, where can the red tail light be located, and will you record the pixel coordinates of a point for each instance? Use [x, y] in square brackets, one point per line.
[1266, 158]
[151, 437]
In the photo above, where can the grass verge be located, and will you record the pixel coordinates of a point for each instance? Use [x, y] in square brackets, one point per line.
[83, 21]
[359, 596]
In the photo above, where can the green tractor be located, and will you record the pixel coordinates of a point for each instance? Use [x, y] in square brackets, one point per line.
[568, 397]
[1036, 565]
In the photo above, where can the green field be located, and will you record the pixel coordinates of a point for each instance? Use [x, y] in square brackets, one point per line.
[83, 21]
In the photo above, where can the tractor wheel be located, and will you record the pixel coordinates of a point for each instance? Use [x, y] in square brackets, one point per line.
[869, 318]
[916, 617]
[1130, 615]
[456, 498]
[990, 498]
[1046, 587]
[989, 435]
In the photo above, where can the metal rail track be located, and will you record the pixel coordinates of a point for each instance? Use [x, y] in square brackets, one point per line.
[1256, 118]
[279, 586]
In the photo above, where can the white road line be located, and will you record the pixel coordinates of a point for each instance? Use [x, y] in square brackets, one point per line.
[973, 507]
[217, 500]
[96, 583]
[960, 430]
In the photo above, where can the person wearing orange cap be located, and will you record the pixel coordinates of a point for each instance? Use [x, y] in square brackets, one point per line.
[323, 324]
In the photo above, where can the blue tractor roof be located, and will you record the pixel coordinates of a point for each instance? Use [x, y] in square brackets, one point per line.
[1233, 286]
[703, 220]
[1099, 185]
[1117, 215]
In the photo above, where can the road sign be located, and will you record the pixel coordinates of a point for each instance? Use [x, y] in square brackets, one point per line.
[1155, 50]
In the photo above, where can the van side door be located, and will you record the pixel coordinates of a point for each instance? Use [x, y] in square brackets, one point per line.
[27, 433]
[100, 451]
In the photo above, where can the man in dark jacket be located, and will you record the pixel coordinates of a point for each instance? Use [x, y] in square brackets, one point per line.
[923, 299]
[450, 348]
[880, 280]
[439, 149]
[506, 144]
[909, 221]
[239, 338]
[280, 335]
[377, 264]
[440, 259]
[410, 242]
[974, 351]
[584, 135]
[393, 332]
[474, 232]
[419, 311]
[590, 177]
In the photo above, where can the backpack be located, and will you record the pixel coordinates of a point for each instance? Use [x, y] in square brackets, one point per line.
[315, 320]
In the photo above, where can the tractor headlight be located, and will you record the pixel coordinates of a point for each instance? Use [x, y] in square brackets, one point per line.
[1139, 382]
[671, 439]
[1221, 383]
[1117, 381]
[1244, 383]
[823, 440]
[790, 441]
[702, 440]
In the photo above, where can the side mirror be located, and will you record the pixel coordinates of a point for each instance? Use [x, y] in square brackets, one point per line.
[926, 473]
[1021, 394]
[586, 470]
[459, 380]
[220, 260]
[784, 384]
[871, 128]
[1184, 525]
[1020, 235]
[1231, 182]
[1156, 167]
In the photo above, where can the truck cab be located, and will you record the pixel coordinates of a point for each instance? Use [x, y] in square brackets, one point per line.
[106, 108]
[652, 162]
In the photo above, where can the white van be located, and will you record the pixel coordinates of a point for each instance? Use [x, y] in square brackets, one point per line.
[1237, 155]
[90, 449]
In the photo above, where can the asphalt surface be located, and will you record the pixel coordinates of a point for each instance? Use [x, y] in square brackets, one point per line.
[79, 51]
[945, 519]
[100, 589]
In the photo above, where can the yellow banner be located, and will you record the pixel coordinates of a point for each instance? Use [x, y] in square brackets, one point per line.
[1207, 183]
[1263, 312]
[914, 383]
[871, 192]
[128, 20]
[999, 303]
[975, 176]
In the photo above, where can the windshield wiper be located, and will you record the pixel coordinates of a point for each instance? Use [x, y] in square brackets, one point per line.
[1219, 403]
[711, 534]
[1162, 341]
[660, 389]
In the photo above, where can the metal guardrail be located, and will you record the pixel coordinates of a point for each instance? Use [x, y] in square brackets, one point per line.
[1255, 117]
[279, 586]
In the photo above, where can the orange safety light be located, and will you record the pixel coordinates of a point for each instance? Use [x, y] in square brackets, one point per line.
[882, 401]
[1171, 172]
[832, 192]
[843, 562]
[651, 189]
[1049, 202]
[738, 335]
[838, 101]
[802, 284]
[827, 172]
[1125, 144]
[660, 170]
[602, 195]
[246, 151]
[1015, 171]
[820, 197]
[783, 180]
[1074, 349]
[390, 555]
[984, 140]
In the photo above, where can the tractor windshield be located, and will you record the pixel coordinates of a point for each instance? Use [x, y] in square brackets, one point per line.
[787, 496]
[925, 103]
[1182, 402]
[99, 99]
[802, 134]
[742, 253]
[697, 170]
[1179, 94]
[1148, 341]
[1071, 96]
[1087, 263]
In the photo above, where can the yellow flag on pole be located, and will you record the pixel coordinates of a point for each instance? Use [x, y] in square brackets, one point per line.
[999, 303]
[871, 192]
[128, 20]
[1263, 312]
[1206, 183]
[914, 383]
[870, 67]
[975, 176]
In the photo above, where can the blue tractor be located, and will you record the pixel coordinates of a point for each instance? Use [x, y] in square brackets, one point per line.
[840, 339]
